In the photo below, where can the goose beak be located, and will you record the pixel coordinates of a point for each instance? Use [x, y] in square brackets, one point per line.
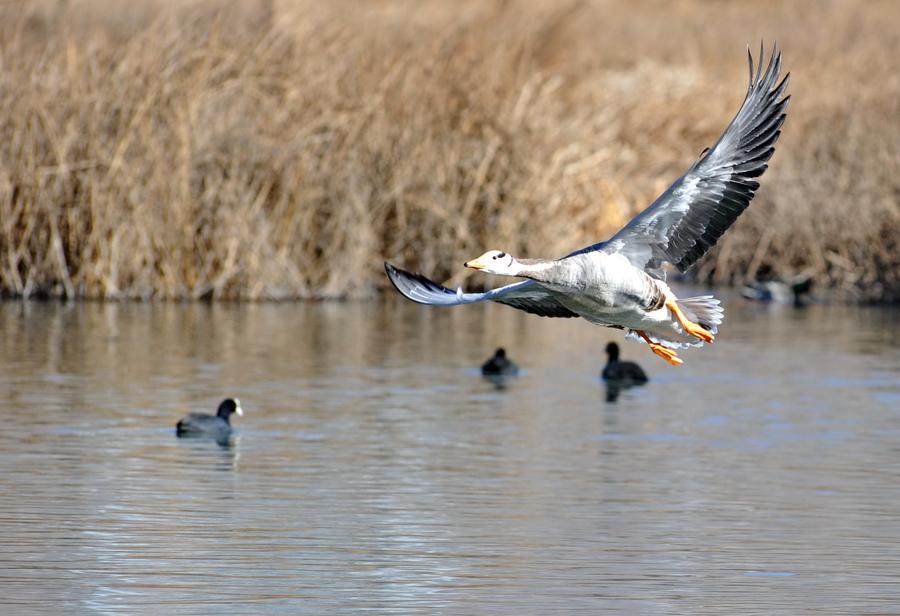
[475, 264]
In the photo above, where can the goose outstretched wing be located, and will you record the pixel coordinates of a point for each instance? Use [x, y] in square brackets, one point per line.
[526, 295]
[693, 213]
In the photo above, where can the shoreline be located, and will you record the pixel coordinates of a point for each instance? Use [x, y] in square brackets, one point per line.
[284, 150]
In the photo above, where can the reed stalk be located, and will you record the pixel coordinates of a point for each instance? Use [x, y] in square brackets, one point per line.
[278, 150]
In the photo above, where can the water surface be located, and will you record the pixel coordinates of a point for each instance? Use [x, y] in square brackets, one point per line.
[376, 472]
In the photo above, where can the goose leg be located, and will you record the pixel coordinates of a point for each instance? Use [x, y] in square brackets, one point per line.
[666, 353]
[690, 327]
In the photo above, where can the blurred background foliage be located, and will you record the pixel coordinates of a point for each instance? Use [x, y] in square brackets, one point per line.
[276, 150]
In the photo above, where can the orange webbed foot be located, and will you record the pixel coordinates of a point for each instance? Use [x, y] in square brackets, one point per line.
[666, 353]
[694, 329]
[700, 332]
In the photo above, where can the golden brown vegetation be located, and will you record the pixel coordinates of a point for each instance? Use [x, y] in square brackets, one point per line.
[284, 149]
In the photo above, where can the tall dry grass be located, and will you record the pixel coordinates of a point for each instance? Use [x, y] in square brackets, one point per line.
[284, 149]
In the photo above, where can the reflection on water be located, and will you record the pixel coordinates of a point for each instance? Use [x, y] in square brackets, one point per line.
[615, 388]
[500, 381]
[375, 470]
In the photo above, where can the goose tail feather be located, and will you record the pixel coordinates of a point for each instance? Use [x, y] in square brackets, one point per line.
[705, 310]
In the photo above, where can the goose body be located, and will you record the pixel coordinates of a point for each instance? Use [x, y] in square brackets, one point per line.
[606, 289]
[621, 282]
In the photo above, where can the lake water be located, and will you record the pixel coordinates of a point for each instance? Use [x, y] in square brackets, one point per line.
[376, 472]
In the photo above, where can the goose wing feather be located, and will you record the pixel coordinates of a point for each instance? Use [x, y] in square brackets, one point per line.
[693, 213]
[526, 295]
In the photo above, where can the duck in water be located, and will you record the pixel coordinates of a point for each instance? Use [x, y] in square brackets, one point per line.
[616, 370]
[216, 426]
[620, 375]
[499, 365]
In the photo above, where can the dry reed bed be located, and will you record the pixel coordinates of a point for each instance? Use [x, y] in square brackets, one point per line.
[283, 150]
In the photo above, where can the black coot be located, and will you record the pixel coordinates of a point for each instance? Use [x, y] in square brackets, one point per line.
[216, 426]
[620, 375]
[616, 370]
[499, 365]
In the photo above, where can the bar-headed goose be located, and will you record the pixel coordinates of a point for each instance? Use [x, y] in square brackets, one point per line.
[621, 282]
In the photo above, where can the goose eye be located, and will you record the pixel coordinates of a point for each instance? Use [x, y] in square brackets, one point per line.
[500, 256]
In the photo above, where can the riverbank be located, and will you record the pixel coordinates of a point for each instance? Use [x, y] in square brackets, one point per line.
[284, 150]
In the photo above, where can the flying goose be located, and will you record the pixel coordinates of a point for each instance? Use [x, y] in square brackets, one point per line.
[620, 283]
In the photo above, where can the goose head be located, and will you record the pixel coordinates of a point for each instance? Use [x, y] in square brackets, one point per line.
[496, 262]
